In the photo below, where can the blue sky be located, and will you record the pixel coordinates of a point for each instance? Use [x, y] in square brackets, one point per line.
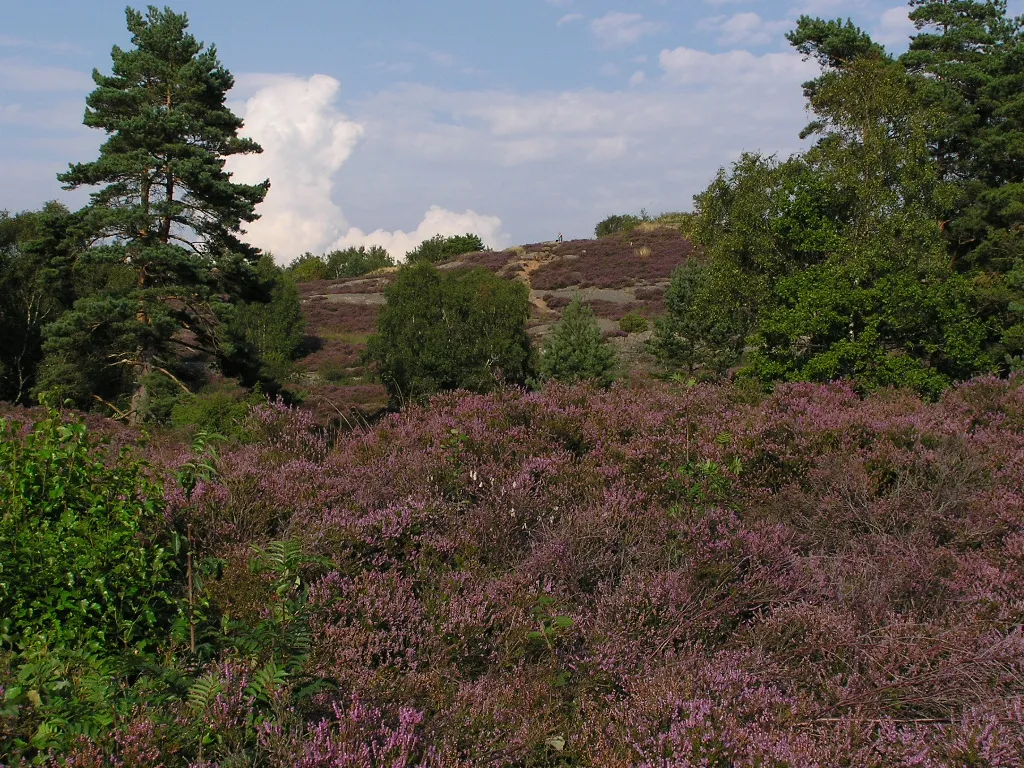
[385, 121]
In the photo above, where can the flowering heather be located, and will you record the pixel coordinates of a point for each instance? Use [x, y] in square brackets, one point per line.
[611, 310]
[347, 317]
[639, 577]
[615, 261]
[492, 260]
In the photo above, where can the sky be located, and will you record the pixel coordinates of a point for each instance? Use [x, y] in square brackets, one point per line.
[384, 122]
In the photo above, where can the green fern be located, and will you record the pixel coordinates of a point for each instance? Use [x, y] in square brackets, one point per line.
[266, 682]
[203, 691]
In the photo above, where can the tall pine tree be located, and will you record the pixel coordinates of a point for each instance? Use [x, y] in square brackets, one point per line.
[166, 221]
[972, 57]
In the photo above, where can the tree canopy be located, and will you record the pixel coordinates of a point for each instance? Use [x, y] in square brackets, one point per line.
[166, 220]
[462, 329]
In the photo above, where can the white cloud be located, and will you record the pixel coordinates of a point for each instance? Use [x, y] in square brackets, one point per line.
[617, 30]
[306, 141]
[437, 221]
[735, 70]
[750, 29]
[569, 18]
[562, 160]
[637, 78]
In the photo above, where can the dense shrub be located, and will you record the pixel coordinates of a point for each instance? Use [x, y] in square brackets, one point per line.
[271, 328]
[308, 268]
[463, 329]
[340, 264]
[576, 351]
[77, 562]
[440, 248]
[220, 409]
[694, 335]
[633, 323]
[519, 579]
[618, 224]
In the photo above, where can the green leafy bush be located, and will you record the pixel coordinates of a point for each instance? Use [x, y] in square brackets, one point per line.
[308, 268]
[463, 329]
[440, 248]
[620, 224]
[354, 262]
[220, 410]
[577, 350]
[350, 262]
[78, 562]
[270, 329]
[631, 322]
[696, 336]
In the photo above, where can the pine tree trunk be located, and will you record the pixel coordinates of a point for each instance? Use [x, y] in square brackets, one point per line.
[140, 397]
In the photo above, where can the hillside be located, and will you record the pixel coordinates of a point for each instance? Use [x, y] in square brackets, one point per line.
[615, 275]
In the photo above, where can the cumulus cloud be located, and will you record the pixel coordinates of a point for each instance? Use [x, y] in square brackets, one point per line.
[562, 160]
[306, 140]
[437, 221]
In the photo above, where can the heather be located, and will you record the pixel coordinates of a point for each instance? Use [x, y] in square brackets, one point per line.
[648, 576]
[654, 252]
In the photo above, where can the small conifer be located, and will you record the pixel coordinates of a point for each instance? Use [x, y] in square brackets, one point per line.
[577, 351]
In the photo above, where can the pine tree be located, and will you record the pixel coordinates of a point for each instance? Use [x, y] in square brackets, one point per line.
[972, 57]
[166, 220]
[576, 350]
[700, 333]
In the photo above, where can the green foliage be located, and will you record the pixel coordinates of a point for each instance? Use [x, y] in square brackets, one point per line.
[284, 636]
[351, 262]
[832, 263]
[440, 248]
[167, 213]
[270, 329]
[620, 224]
[463, 329]
[883, 307]
[631, 322]
[968, 63]
[79, 564]
[834, 43]
[552, 627]
[308, 268]
[577, 350]
[37, 253]
[696, 335]
[218, 409]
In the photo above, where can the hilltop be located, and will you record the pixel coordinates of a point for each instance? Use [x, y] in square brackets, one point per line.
[615, 275]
